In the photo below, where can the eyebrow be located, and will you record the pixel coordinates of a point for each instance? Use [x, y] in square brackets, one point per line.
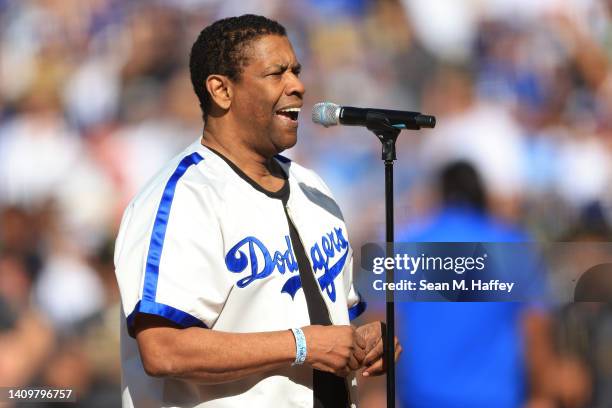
[295, 67]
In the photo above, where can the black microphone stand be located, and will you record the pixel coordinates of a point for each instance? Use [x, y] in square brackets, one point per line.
[387, 134]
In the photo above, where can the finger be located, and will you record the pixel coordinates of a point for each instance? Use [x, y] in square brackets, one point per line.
[370, 332]
[359, 354]
[360, 340]
[377, 351]
[362, 336]
[374, 333]
[374, 369]
[377, 367]
[353, 364]
[374, 353]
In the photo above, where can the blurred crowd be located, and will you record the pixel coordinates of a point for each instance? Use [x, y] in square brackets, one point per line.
[95, 96]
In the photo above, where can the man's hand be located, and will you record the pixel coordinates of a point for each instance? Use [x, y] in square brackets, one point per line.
[335, 349]
[372, 336]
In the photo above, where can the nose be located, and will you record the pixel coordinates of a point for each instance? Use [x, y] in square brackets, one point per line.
[295, 86]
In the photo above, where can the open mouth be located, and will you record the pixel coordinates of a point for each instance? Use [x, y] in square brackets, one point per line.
[291, 113]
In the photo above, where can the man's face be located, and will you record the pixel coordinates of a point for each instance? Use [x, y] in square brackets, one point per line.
[268, 95]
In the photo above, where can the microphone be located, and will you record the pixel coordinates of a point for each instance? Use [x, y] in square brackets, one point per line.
[329, 114]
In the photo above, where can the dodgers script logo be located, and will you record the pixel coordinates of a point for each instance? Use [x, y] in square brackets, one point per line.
[250, 251]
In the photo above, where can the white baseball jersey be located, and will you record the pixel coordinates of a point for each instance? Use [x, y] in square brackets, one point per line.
[202, 245]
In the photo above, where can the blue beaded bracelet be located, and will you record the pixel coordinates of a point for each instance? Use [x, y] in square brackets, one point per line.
[300, 347]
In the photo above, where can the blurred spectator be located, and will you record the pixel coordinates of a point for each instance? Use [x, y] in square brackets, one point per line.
[584, 329]
[95, 95]
[474, 354]
[26, 340]
[482, 133]
[584, 333]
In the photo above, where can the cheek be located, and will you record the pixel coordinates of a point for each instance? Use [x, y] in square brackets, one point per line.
[255, 106]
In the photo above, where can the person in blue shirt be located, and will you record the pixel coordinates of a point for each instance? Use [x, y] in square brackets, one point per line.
[467, 354]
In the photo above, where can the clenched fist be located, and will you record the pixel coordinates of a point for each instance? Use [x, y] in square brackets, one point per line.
[335, 349]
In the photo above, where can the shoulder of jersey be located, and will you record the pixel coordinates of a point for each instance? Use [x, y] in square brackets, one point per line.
[192, 165]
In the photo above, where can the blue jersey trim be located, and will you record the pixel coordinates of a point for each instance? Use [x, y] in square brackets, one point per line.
[282, 159]
[155, 251]
[179, 317]
[356, 311]
[159, 227]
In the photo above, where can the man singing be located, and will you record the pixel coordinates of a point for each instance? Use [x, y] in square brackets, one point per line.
[233, 263]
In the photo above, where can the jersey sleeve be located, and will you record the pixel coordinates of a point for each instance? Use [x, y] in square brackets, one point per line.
[354, 302]
[169, 258]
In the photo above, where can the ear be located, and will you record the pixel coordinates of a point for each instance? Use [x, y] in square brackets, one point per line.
[220, 89]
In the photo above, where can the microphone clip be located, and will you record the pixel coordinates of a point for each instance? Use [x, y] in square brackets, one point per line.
[379, 124]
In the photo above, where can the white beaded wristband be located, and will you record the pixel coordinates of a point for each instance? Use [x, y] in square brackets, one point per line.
[300, 346]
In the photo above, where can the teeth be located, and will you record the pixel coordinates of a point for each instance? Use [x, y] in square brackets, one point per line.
[290, 110]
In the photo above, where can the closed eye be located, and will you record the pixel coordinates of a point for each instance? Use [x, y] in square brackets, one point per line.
[281, 69]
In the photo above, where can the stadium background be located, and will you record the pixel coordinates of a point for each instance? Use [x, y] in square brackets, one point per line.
[95, 95]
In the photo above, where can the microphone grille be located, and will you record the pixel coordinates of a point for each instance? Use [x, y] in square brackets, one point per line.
[325, 113]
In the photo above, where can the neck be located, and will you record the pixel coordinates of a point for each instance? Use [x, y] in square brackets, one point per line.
[232, 145]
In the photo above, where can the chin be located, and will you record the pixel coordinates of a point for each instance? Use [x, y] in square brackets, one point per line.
[290, 145]
[285, 142]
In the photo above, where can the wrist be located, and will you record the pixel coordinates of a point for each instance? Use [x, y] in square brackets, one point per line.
[300, 346]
